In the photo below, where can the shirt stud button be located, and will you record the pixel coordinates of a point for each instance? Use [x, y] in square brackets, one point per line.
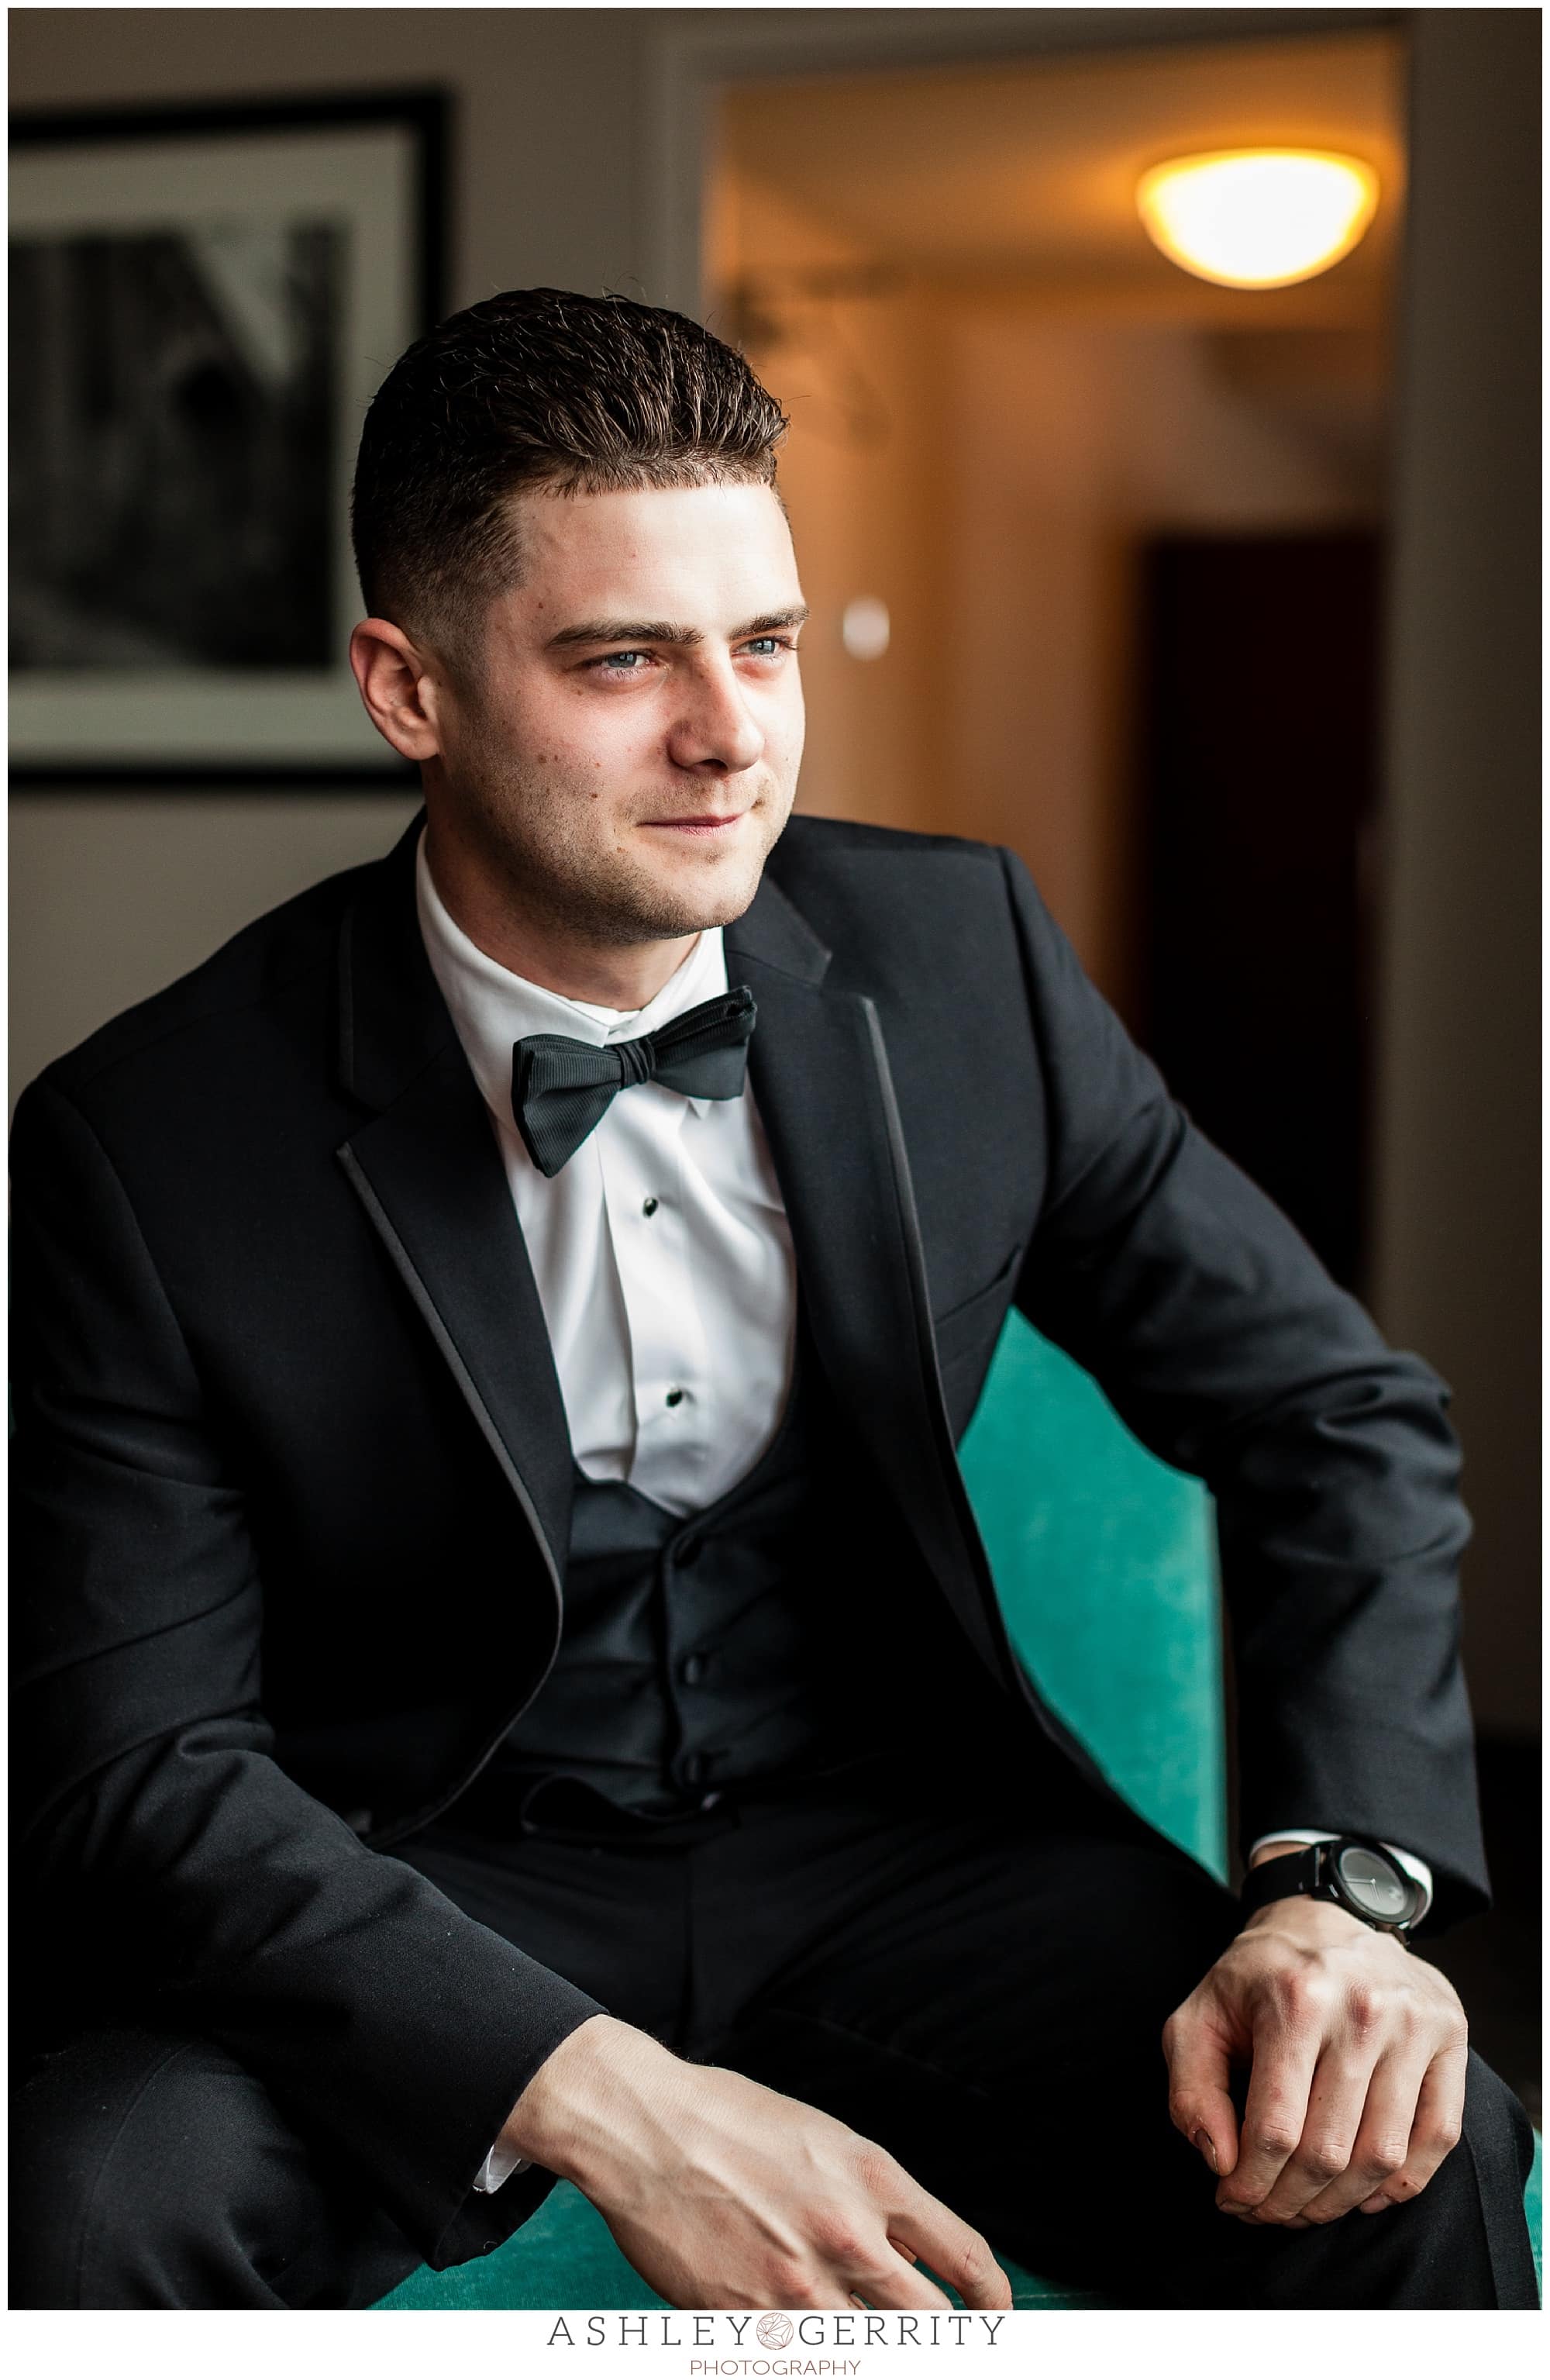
[675, 1396]
[649, 1208]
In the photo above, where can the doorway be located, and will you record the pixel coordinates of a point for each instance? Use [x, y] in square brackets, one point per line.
[1006, 408]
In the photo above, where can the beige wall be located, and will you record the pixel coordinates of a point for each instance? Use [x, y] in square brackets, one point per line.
[111, 898]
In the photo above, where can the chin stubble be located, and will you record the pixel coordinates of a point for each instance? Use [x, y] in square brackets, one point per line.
[607, 900]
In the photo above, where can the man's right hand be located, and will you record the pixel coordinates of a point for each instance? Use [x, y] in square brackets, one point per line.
[723, 2193]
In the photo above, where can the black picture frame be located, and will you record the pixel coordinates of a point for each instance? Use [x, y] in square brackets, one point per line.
[387, 262]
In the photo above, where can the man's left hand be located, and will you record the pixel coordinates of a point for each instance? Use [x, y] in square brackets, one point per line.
[1356, 2052]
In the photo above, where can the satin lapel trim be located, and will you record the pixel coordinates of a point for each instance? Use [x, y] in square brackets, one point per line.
[429, 1173]
[819, 1073]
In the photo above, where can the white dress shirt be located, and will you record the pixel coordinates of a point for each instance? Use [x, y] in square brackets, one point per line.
[660, 1250]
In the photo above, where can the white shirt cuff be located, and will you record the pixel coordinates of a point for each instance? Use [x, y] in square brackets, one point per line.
[499, 2167]
[1415, 1868]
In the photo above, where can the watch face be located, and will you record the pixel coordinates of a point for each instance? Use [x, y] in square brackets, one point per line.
[1375, 1885]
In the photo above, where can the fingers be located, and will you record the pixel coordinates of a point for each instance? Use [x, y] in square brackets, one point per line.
[1281, 2082]
[1322, 2170]
[1438, 2122]
[919, 2225]
[894, 2282]
[1357, 2055]
[1376, 2131]
[1199, 2070]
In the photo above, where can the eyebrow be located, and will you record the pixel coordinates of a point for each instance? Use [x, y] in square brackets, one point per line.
[669, 632]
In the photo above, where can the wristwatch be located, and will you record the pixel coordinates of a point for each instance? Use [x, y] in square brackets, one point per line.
[1352, 1871]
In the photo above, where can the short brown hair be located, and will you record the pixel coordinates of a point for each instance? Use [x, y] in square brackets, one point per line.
[536, 388]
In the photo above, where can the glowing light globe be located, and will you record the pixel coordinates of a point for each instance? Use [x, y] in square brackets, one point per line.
[1258, 218]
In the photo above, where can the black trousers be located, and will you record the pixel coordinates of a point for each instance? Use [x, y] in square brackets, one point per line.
[982, 1990]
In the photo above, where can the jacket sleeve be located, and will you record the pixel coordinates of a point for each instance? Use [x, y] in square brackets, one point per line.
[151, 1819]
[1222, 1342]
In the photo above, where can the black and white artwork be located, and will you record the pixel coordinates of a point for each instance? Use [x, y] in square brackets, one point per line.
[173, 410]
[198, 320]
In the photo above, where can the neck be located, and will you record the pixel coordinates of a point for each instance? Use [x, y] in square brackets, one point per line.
[506, 927]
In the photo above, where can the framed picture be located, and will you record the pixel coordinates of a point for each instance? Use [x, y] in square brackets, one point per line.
[202, 304]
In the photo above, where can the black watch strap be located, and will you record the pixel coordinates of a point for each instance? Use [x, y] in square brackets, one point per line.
[1281, 1878]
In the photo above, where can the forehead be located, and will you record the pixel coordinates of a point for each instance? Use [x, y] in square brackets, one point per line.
[711, 555]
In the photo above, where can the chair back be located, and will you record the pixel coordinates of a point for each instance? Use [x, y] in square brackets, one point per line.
[1106, 1568]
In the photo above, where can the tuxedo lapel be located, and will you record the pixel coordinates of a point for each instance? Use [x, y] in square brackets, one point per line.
[427, 1167]
[820, 1075]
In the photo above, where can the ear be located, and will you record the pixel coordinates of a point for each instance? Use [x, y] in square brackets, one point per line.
[398, 686]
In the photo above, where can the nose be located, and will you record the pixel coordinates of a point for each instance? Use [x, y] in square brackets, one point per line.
[715, 730]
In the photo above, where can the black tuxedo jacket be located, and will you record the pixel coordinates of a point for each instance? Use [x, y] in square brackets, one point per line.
[292, 1478]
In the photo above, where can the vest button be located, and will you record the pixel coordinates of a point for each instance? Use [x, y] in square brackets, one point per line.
[695, 1766]
[692, 1669]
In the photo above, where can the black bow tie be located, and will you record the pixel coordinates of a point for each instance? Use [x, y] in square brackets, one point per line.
[561, 1090]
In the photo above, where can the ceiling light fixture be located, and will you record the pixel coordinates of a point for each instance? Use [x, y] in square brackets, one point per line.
[1258, 218]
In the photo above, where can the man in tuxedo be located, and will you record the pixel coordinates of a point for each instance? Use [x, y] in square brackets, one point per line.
[509, 1684]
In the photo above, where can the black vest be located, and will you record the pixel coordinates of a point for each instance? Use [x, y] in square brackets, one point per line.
[787, 1631]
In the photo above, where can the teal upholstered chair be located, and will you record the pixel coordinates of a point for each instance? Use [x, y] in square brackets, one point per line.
[1105, 1565]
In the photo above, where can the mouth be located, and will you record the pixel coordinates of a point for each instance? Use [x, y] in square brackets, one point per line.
[701, 825]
